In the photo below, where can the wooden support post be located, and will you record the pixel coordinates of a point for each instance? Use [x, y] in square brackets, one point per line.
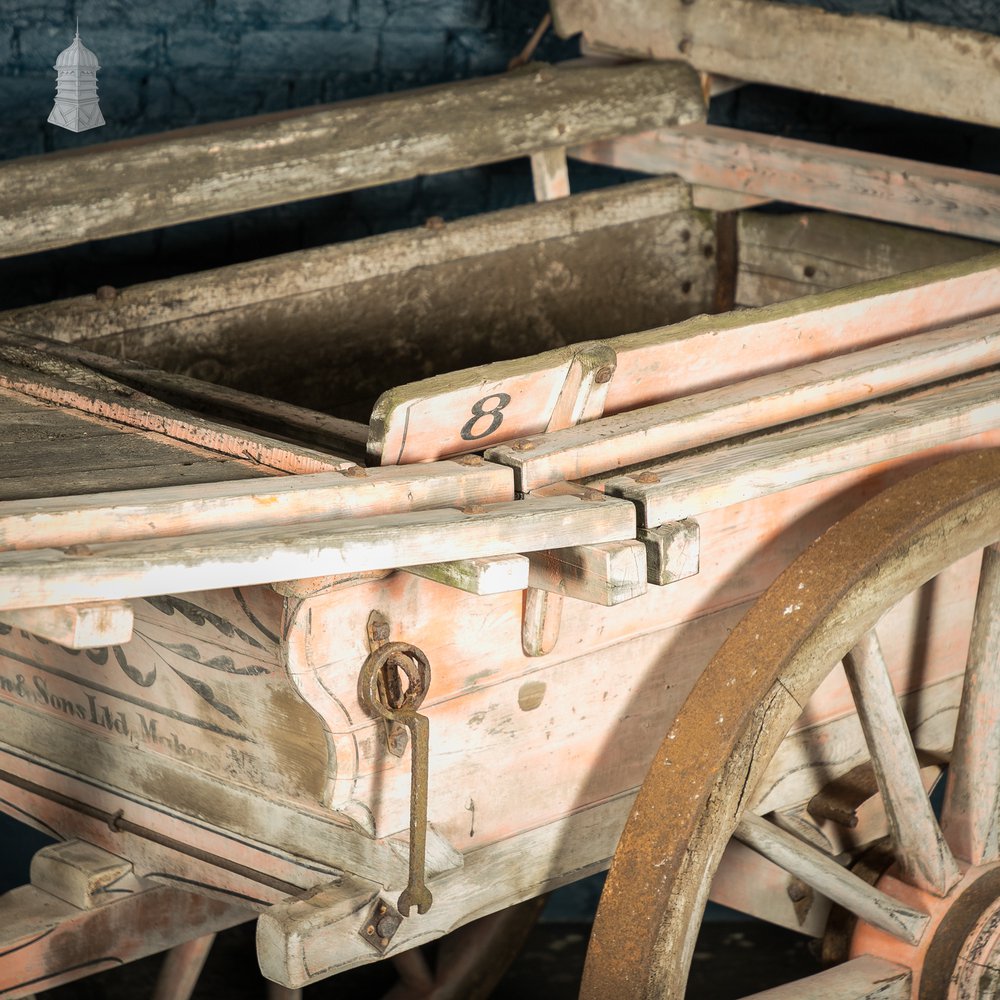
[550, 174]
[83, 875]
[76, 626]
[182, 967]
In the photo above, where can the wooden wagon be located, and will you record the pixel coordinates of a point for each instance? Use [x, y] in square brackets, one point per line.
[371, 684]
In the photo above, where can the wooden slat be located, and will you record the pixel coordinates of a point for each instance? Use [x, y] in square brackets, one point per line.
[424, 420]
[864, 978]
[213, 170]
[673, 551]
[75, 389]
[777, 461]
[76, 626]
[344, 436]
[946, 199]
[919, 67]
[118, 570]
[174, 510]
[788, 255]
[751, 405]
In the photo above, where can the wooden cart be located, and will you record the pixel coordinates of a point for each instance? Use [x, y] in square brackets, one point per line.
[386, 681]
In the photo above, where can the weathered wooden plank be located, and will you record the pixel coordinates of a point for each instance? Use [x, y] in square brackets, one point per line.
[361, 317]
[174, 510]
[751, 405]
[213, 170]
[776, 461]
[785, 256]
[890, 188]
[863, 978]
[722, 200]
[607, 574]
[344, 436]
[76, 481]
[492, 403]
[45, 942]
[117, 570]
[919, 67]
[74, 389]
[498, 575]
[76, 626]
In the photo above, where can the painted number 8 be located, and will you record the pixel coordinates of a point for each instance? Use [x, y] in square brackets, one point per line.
[479, 411]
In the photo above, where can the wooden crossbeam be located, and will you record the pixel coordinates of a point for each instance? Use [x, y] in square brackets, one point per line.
[249, 163]
[889, 188]
[780, 460]
[927, 68]
[607, 574]
[752, 405]
[178, 510]
[119, 570]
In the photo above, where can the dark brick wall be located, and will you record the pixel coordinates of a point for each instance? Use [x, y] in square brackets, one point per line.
[169, 63]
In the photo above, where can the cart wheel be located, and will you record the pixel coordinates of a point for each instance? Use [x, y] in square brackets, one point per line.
[928, 928]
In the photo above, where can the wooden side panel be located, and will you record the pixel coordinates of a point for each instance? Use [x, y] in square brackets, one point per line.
[213, 170]
[518, 741]
[496, 403]
[786, 256]
[361, 317]
[200, 682]
[919, 67]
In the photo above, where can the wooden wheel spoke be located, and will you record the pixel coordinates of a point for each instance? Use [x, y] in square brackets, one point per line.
[830, 879]
[972, 797]
[921, 850]
[860, 979]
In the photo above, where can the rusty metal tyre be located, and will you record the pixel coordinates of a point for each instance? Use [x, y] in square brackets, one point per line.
[700, 788]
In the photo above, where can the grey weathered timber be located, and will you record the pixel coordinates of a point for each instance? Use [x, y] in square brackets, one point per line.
[920, 67]
[362, 317]
[889, 188]
[785, 256]
[217, 169]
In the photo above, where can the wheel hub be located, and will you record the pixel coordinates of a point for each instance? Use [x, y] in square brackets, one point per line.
[958, 956]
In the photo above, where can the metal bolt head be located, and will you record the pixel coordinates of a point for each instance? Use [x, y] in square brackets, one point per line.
[474, 508]
[469, 460]
[523, 445]
[647, 478]
[604, 375]
[106, 293]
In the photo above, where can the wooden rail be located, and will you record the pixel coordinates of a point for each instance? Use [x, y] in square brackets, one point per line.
[212, 170]
[889, 188]
[920, 67]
